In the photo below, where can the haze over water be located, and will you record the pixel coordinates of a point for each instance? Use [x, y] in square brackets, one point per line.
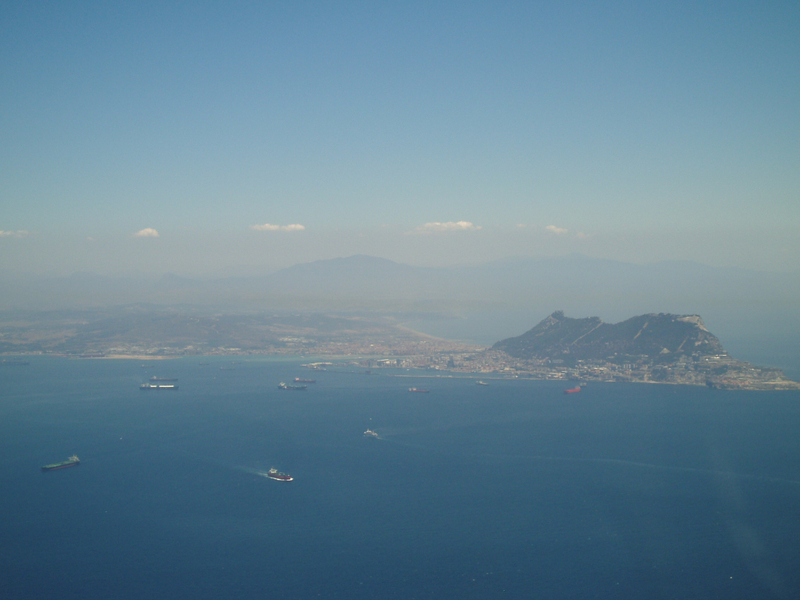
[515, 489]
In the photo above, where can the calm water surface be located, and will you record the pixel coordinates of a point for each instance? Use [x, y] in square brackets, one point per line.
[512, 490]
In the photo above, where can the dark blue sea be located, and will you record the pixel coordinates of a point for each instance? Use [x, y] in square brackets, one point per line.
[509, 490]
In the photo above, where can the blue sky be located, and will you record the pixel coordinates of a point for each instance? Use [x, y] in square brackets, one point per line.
[205, 137]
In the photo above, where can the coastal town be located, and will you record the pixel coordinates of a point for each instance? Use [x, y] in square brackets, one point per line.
[721, 371]
[440, 358]
[380, 345]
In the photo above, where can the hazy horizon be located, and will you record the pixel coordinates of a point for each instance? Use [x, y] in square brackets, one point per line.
[200, 138]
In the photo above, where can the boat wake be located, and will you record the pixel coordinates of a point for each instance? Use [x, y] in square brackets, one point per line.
[273, 473]
[251, 470]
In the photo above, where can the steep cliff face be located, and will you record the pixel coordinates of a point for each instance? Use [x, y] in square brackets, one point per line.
[654, 335]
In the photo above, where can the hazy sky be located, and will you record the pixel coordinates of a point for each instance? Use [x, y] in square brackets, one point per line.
[219, 137]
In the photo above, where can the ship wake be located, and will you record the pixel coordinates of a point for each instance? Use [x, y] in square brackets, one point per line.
[251, 470]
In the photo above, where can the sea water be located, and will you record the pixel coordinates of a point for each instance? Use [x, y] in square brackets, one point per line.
[508, 490]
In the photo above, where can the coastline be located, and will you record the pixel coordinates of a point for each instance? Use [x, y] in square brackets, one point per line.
[737, 375]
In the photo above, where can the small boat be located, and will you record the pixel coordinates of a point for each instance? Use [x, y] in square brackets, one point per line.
[481, 383]
[370, 434]
[278, 476]
[72, 461]
[418, 390]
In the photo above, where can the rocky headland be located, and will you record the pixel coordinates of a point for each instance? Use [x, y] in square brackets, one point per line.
[655, 348]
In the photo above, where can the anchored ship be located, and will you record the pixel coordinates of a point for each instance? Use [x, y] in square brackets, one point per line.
[573, 390]
[158, 386]
[278, 476]
[286, 386]
[72, 461]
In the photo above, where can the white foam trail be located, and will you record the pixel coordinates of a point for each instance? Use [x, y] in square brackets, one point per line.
[250, 470]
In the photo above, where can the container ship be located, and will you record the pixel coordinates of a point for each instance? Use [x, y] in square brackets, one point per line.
[72, 461]
[278, 476]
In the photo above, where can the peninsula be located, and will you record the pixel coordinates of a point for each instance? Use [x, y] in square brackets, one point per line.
[654, 348]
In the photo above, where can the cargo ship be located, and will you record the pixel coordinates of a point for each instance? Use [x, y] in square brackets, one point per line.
[286, 386]
[418, 390]
[72, 461]
[574, 390]
[158, 386]
[278, 476]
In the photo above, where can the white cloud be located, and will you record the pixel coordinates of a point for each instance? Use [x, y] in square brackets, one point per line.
[449, 226]
[18, 233]
[269, 227]
[146, 232]
[557, 230]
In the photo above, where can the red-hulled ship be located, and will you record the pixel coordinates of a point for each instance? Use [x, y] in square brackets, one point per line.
[278, 476]
[574, 390]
